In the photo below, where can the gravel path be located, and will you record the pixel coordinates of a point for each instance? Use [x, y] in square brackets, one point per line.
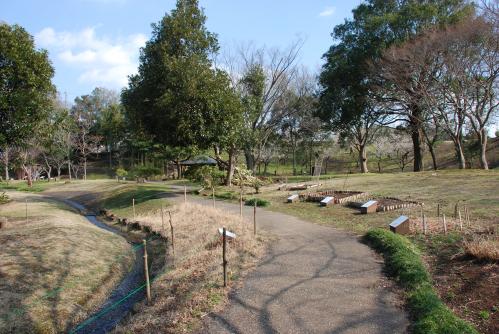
[314, 279]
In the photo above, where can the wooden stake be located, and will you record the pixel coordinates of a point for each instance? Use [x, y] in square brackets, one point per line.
[425, 227]
[164, 234]
[185, 194]
[455, 211]
[445, 225]
[146, 271]
[460, 221]
[172, 236]
[213, 194]
[133, 206]
[469, 216]
[241, 204]
[224, 258]
[438, 210]
[254, 218]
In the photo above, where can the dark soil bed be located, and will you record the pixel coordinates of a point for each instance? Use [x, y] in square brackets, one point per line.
[469, 287]
[338, 195]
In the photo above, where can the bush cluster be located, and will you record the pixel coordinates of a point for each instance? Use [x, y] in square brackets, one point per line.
[259, 202]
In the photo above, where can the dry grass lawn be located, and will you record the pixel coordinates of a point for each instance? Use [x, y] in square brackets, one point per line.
[56, 268]
[183, 293]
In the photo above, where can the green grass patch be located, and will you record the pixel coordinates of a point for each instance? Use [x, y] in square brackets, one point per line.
[403, 262]
[38, 186]
[228, 195]
[259, 202]
[147, 198]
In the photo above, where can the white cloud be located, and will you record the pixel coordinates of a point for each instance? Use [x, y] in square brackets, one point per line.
[99, 59]
[328, 11]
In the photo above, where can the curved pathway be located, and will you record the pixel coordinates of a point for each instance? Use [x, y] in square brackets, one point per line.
[314, 279]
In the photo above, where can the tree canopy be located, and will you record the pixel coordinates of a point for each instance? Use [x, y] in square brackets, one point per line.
[346, 77]
[26, 89]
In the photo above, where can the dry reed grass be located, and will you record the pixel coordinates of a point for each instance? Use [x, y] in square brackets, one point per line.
[483, 248]
[182, 295]
[56, 268]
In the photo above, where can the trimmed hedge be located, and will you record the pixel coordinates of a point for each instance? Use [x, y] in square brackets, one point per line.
[403, 262]
[259, 202]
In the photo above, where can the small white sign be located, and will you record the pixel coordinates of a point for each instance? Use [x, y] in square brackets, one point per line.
[227, 233]
[368, 204]
[327, 200]
[292, 197]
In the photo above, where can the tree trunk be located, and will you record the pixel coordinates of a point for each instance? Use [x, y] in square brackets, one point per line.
[458, 145]
[6, 164]
[230, 169]
[363, 159]
[416, 126]
[69, 170]
[294, 159]
[110, 152]
[418, 149]
[250, 159]
[265, 165]
[59, 172]
[379, 166]
[433, 156]
[483, 149]
[85, 168]
[179, 169]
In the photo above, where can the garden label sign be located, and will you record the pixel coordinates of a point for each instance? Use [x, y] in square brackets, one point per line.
[227, 233]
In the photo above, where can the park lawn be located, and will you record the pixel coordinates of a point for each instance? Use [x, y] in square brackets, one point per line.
[476, 188]
[20, 185]
[115, 196]
[56, 268]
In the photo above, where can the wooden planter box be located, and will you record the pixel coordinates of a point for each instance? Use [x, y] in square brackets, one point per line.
[293, 198]
[327, 201]
[369, 207]
[400, 225]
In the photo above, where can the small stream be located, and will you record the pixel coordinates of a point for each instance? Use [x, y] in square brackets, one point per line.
[124, 296]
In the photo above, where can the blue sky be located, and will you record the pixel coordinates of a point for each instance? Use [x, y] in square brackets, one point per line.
[96, 42]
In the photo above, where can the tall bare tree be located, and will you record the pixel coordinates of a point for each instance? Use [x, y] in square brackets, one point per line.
[266, 74]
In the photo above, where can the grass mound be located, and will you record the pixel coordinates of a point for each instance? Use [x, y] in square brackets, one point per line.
[403, 262]
[259, 202]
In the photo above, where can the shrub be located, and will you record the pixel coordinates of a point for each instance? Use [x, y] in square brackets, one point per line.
[403, 262]
[259, 202]
[121, 173]
[209, 176]
[145, 171]
[4, 198]
[226, 195]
